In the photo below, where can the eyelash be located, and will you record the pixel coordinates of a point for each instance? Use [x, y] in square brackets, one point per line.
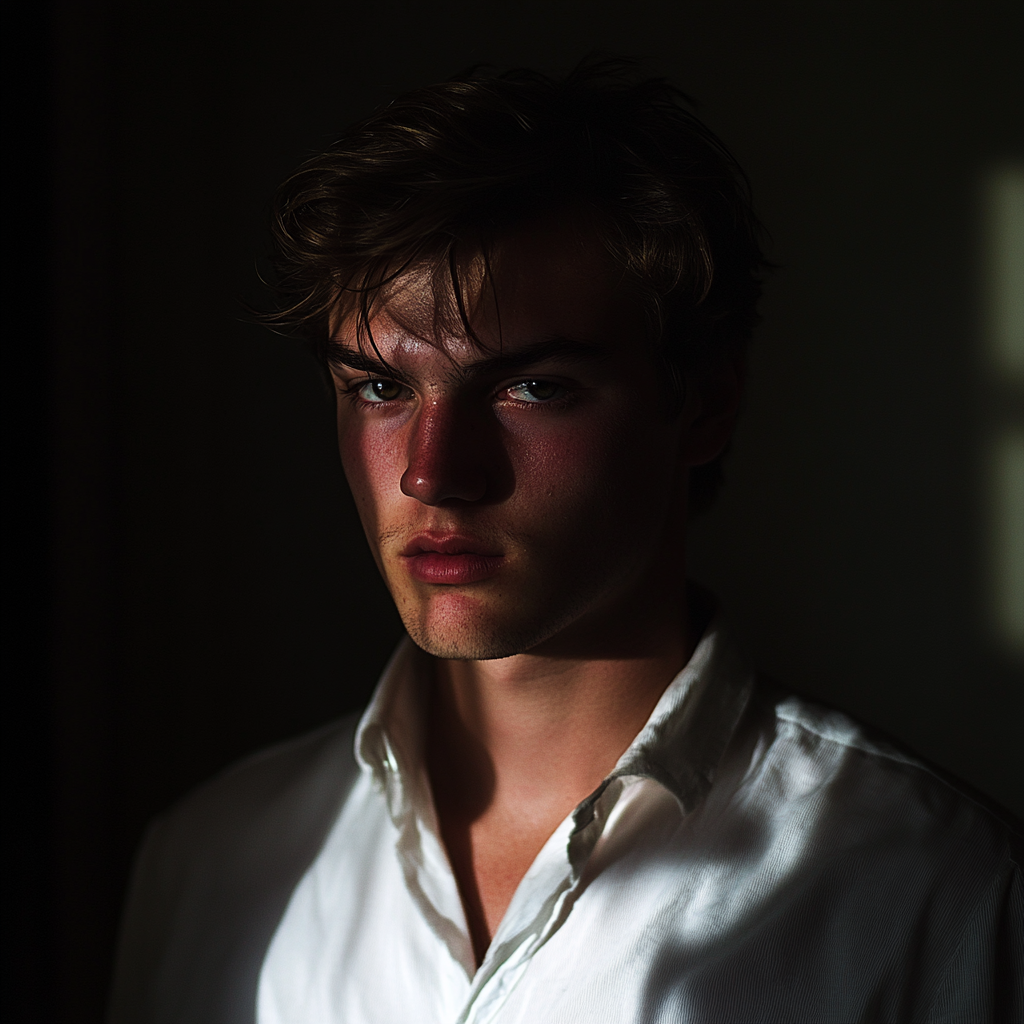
[559, 402]
[352, 389]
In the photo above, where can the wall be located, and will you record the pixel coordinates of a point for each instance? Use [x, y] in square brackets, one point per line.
[203, 527]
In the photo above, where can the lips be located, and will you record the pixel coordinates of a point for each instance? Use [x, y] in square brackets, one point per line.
[450, 559]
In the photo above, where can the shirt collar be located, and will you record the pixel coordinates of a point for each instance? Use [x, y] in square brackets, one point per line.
[390, 739]
[680, 746]
[690, 727]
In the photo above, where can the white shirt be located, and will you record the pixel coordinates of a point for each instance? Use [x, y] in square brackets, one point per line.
[751, 858]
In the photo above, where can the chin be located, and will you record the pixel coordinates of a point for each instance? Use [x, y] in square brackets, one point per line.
[470, 644]
[462, 630]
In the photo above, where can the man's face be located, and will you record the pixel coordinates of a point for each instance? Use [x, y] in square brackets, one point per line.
[529, 492]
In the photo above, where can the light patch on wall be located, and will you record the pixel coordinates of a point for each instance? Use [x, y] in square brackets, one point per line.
[1007, 525]
[1004, 317]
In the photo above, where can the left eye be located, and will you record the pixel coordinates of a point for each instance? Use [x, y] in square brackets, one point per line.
[536, 391]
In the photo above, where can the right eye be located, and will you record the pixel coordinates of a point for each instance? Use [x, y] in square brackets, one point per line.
[380, 390]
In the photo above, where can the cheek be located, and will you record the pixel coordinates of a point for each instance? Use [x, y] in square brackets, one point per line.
[596, 475]
[372, 458]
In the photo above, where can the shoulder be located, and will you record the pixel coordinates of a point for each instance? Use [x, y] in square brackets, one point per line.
[298, 780]
[868, 790]
[265, 815]
[916, 870]
[215, 873]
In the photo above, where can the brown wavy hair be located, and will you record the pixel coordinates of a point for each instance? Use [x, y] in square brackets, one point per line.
[439, 174]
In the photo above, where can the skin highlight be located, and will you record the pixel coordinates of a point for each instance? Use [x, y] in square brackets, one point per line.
[541, 470]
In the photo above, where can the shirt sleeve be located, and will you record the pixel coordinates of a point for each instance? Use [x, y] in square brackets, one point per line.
[984, 979]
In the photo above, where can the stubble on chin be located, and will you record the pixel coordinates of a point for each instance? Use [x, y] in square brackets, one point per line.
[458, 638]
[462, 630]
[463, 648]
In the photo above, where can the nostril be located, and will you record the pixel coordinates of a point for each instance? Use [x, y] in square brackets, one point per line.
[414, 485]
[438, 487]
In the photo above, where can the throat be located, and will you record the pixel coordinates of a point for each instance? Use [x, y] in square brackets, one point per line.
[515, 744]
[489, 858]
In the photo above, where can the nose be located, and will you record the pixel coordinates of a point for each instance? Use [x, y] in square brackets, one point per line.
[445, 458]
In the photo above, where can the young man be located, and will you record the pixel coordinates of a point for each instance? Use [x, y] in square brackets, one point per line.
[570, 798]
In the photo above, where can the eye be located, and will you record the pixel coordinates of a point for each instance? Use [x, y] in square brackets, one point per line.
[536, 391]
[380, 390]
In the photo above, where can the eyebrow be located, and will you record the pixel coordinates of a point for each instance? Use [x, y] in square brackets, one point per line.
[551, 348]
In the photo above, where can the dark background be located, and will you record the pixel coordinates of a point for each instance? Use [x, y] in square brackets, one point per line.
[190, 582]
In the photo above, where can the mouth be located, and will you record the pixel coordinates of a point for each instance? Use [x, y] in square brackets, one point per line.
[450, 559]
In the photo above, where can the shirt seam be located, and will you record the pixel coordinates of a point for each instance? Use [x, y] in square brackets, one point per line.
[976, 911]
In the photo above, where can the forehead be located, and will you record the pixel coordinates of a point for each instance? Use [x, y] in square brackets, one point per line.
[548, 279]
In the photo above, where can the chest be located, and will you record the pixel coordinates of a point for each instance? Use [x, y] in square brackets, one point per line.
[489, 857]
[661, 927]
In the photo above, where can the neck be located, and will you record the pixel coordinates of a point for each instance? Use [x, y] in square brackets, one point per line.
[514, 744]
[538, 732]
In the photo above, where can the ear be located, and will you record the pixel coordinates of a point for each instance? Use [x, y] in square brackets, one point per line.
[713, 402]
